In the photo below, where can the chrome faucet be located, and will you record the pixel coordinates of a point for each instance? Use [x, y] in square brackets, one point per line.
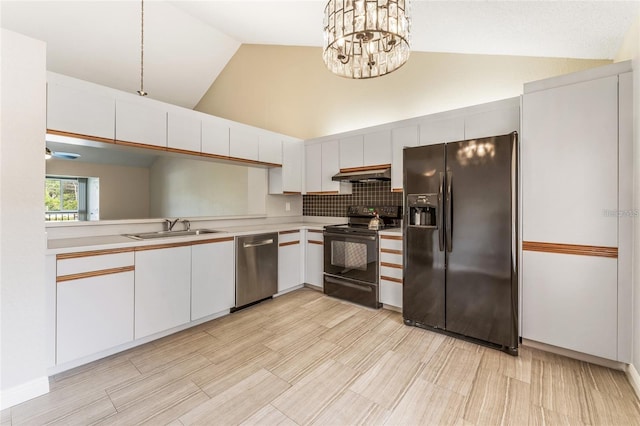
[187, 225]
[170, 224]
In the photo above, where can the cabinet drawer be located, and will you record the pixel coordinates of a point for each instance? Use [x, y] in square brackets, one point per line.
[391, 272]
[392, 244]
[77, 263]
[315, 237]
[391, 258]
[288, 237]
[391, 293]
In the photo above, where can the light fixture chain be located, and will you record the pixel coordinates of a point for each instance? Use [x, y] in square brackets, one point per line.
[141, 92]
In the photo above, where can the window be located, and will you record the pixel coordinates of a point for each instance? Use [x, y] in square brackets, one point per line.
[65, 198]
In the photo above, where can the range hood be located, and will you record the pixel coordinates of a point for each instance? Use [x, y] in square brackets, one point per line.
[376, 175]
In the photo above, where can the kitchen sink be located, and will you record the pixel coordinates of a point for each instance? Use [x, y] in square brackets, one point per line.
[168, 234]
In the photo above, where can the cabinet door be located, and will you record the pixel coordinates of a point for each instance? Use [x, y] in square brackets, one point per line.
[212, 278]
[570, 301]
[82, 112]
[492, 123]
[140, 122]
[351, 153]
[163, 289]
[215, 137]
[94, 314]
[292, 157]
[183, 131]
[270, 149]
[289, 260]
[330, 165]
[243, 143]
[313, 168]
[377, 148]
[400, 138]
[569, 164]
[314, 270]
[443, 130]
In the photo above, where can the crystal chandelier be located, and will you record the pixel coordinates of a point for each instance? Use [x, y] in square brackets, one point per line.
[366, 38]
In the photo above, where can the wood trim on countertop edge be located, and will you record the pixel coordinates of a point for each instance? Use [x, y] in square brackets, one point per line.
[289, 243]
[365, 168]
[212, 240]
[164, 246]
[394, 280]
[63, 256]
[91, 274]
[391, 237]
[391, 265]
[576, 249]
[386, 250]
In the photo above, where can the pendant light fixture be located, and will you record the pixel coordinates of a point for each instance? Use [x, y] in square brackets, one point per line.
[141, 92]
[366, 38]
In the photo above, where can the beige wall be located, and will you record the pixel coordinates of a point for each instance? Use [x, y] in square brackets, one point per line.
[289, 90]
[124, 191]
[629, 46]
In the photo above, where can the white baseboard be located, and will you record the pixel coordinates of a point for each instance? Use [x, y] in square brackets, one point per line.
[616, 365]
[634, 379]
[24, 392]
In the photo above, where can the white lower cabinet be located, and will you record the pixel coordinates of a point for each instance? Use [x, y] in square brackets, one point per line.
[314, 261]
[570, 301]
[93, 314]
[212, 278]
[391, 270]
[163, 289]
[289, 260]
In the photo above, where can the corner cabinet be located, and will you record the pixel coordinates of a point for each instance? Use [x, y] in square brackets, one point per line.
[574, 145]
[287, 179]
[391, 269]
[95, 298]
[163, 288]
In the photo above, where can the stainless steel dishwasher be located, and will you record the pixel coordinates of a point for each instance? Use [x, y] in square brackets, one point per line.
[256, 268]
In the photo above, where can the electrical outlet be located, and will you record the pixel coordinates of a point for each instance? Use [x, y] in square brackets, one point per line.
[287, 206]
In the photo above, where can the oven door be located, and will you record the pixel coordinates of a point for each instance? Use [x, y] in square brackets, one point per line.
[351, 256]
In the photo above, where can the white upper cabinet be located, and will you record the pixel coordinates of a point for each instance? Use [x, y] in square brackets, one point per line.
[183, 131]
[400, 138]
[492, 123]
[313, 168]
[377, 148]
[372, 149]
[244, 143]
[288, 178]
[215, 136]
[442, 130]
[330, 167]
[351, 152]
[141, 121]
[270, 148]
[80, 111]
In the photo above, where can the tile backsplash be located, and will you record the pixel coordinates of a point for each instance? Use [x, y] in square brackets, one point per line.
[363, 194]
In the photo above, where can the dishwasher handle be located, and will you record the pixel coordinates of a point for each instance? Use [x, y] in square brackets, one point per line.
[258, 243]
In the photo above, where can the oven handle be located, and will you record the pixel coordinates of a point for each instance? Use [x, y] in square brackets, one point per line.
[354, 236]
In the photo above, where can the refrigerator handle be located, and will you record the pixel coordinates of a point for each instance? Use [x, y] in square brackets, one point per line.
[449, 223]
[440, 218]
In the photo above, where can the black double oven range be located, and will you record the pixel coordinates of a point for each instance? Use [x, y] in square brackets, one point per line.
[351, 254]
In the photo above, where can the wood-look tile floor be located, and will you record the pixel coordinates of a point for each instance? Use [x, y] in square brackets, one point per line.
[304, 358]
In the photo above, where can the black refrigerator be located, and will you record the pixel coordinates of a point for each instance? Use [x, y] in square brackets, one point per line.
[460, 240]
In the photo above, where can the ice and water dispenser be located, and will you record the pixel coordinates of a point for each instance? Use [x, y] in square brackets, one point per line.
[423, 209]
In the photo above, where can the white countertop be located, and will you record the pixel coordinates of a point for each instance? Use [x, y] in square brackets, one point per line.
[104, 242]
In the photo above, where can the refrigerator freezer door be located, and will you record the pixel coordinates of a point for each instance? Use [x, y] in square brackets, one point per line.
[481, 297]
[424, 261]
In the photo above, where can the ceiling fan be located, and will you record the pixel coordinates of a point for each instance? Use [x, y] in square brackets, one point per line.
[60, 154]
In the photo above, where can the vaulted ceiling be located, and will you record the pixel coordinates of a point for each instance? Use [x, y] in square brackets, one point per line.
[188, 43]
